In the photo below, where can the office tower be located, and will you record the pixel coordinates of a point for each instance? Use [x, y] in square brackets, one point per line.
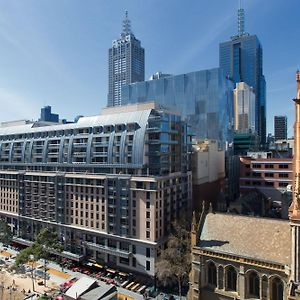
[48, 116]
[204, 98]
[110, 185]
[280, 127]
[126, 63]
[244, 108]
[241, 58]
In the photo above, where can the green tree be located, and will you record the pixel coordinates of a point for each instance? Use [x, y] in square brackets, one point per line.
[174, 263]
[5, 233]
[46, 242]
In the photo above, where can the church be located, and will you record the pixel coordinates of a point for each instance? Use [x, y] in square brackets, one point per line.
[243, 257]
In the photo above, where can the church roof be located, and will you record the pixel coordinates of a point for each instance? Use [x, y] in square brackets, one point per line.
[251, 237]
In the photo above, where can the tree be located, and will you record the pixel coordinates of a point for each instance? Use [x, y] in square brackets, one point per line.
[174, 263]
[45, 243]
[5, 233]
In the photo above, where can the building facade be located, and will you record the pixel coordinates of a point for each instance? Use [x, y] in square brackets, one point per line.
[244, 108]
[240, 257]
[269, 175]
[126, 63]
[110, 185]
[241, 58]
[280, 127]
[204, 99]
[48, 116]
[208, 167]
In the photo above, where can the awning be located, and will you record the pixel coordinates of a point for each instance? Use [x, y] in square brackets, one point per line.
[111, 271]
[98, 266]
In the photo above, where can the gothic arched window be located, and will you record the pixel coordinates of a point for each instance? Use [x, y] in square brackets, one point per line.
[231, 278]
[277, 289]
[253, 280]
[212, 274]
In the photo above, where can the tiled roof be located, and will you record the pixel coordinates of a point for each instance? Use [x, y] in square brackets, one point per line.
[252, 237]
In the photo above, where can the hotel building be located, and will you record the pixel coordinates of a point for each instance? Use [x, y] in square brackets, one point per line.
[110, 185]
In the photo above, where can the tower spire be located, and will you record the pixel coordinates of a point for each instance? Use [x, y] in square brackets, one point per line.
[241, 20]
[126, 25]
[295, 206]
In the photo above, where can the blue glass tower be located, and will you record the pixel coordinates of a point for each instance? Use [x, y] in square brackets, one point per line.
[204, 98]
[241, 58]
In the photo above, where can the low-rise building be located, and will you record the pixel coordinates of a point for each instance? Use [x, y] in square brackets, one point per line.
[208, 166]
[268, 175]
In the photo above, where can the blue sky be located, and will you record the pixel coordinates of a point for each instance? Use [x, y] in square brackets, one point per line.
[54, 52]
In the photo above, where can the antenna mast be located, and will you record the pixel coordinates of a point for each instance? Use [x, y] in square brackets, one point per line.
[241, 20]
[126, 25]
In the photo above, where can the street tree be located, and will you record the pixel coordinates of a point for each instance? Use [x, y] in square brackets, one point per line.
[174, 263]
[5, 233]
[46, 242]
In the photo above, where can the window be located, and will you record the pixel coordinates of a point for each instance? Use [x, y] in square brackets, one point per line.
[256, 174]
[148, 234]
[283, 166]
[147, 265]
[253, 281]
[283, 184]
[221, 278]
[256, 183]
[256, 166]
[268, 166]
[231, 278]
[148, 252]
[269, 183]
[277, 289]
[212, 274]
[269, 175]
[283, 175]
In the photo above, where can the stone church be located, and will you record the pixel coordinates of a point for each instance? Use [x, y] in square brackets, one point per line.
[241, 257]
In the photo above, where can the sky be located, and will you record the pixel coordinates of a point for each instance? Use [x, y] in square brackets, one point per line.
[55, 52]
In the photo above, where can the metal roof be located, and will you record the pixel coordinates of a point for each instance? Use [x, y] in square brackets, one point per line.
[84, 122]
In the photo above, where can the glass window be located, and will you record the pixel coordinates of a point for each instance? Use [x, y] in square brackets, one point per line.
[212, 274]
[231, 278]
[277, 289]
[253, 281]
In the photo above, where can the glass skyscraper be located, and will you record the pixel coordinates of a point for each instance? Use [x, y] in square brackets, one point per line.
[241, 58]
[204, 98]
[126, 63]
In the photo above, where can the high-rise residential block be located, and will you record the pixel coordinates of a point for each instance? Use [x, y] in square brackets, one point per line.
[280, 127]
[244, 108]
[241, 58]
[126, 63]
[109, 185]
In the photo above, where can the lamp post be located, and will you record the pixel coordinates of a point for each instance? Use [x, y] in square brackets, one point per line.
[31, 258]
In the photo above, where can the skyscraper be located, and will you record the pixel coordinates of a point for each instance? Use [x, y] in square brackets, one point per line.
[241, 58]
[204, 98]
[280, 127]
[244, 108]
[126, 63]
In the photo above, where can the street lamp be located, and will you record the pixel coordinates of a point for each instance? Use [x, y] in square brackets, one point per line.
[31, 258]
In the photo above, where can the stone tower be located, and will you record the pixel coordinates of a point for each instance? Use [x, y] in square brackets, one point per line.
[294, 211]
